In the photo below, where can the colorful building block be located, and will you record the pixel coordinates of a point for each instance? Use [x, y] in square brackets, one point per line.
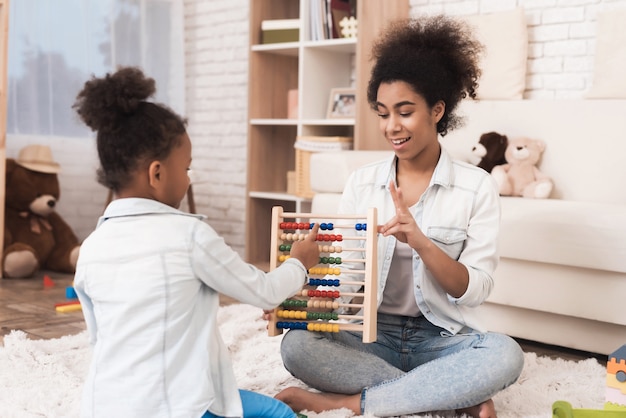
[70, 293]
[615, 405]
[68, 307]
[616, 380]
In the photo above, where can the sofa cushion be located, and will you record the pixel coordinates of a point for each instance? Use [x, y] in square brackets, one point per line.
[504, 60]
[330, 170]
[565, 290]
[610, 58]
[581, 234]
[325, 203]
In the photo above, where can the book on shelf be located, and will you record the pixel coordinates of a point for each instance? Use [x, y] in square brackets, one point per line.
[325, 16]
[280, 30]
[338, 10]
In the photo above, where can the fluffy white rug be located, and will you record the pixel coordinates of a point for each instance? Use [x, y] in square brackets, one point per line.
[42, 378]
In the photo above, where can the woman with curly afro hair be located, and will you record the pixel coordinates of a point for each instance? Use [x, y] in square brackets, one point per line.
[437, 249]
[149, 277]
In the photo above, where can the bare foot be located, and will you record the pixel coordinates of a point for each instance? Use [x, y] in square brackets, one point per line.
[484, 410]
[300, 400]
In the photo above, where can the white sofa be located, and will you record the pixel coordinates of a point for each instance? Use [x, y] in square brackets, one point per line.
[562, 273]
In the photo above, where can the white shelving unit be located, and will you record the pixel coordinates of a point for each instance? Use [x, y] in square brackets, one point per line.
[313, 68]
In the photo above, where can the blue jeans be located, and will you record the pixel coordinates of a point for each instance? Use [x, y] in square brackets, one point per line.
[414, 366]
[256, 405]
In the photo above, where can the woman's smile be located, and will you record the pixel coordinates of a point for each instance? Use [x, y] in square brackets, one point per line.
[400, 141]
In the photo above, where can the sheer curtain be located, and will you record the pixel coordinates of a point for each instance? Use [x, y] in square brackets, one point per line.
[56, 45]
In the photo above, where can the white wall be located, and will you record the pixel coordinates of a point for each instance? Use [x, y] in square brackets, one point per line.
[216, 54]
[561, 34]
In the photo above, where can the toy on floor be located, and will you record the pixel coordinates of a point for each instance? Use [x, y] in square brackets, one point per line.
[70, 293]
[314, 309]
[47, 281]
[616, 381]
[72, 305]
[35, 235]
[562, 409]
[65, 307]
[520, 175]
[615, 405]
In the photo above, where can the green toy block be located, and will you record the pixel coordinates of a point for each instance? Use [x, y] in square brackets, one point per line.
[562, 409]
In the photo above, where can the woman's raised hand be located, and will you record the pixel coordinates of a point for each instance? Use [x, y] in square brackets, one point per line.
[402, 225]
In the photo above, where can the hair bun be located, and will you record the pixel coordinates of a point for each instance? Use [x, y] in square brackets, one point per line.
[104, 102]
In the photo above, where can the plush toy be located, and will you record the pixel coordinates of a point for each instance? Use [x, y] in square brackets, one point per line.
[35, 235]
[490, 150]
[520, 176]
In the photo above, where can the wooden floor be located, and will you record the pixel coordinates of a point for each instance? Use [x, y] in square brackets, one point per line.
[29, 305]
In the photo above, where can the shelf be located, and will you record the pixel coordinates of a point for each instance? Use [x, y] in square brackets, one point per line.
[294, 122]
[272, 122]
[347, 45]
[329, 122]
[278, 196]
[285, 48]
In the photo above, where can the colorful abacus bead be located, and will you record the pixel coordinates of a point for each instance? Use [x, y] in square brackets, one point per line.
[329, 304]
[360, 227]
[330, 260]
[294, 303]
[291, 314]
[323, 282]
[291, 325]
[322, 327]
[322, 293]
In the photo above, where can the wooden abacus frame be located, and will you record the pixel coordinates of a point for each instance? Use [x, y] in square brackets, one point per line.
[369, 305]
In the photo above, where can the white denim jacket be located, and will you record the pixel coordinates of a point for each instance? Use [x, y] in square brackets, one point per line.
[460, 212]
[148, 280]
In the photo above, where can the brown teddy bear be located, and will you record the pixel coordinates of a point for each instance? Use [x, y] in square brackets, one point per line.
[35, 236]
[490, 149]
[520, 176]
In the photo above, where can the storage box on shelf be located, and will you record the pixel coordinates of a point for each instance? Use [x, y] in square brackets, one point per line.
[307, 145]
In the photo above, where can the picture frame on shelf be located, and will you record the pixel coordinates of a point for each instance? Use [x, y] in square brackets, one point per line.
[342, 103]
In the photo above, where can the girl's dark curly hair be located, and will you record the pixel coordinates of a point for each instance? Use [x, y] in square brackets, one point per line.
[130, 130]
[438, 56]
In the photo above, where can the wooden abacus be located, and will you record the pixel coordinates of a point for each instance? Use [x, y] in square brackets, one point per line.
[293, 313]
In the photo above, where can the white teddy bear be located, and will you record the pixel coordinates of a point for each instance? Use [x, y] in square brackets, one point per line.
[520, 176]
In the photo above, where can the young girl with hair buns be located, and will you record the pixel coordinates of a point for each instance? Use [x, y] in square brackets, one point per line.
[436, 253]
[149, 277]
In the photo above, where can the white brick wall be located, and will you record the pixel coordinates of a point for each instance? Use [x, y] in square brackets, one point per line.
[561, 39]
[216, 55]
[560, 65]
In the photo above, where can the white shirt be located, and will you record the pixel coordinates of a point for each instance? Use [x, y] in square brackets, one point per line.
[460, 212]
[396, 299]
[148, 280]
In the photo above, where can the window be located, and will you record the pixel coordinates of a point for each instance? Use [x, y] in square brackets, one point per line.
[57, 45]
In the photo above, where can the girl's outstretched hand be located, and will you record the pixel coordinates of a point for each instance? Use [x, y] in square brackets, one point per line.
[307, 250]
[402, 225]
